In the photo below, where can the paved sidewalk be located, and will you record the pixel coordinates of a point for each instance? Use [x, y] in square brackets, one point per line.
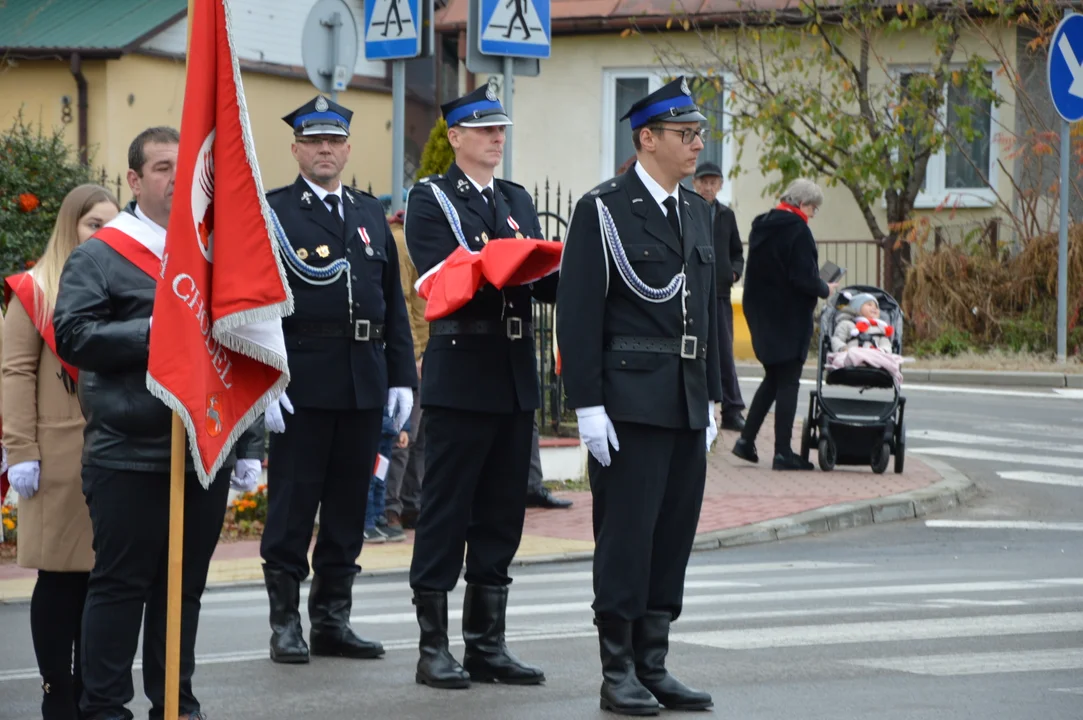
[743, 503]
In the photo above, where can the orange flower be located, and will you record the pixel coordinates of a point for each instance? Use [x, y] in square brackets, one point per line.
[30, 264]
[28, 202]
[9, 523]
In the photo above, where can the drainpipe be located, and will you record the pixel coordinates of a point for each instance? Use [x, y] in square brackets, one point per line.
[80, 84]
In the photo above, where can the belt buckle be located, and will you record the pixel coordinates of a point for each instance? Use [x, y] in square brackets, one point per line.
[689, 346]
[515, 328]
[361, 330]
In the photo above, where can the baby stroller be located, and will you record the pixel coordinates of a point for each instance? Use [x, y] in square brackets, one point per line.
[855, 431]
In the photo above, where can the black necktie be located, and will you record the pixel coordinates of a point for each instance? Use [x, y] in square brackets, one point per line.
[333, 201]
[488, 194]
[671, 215]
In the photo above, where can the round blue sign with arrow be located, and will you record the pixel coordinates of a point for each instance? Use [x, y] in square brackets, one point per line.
[1065, 73]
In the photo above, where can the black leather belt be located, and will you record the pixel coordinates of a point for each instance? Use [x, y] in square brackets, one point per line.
[514, 328]
[361, 330]
[687, 347]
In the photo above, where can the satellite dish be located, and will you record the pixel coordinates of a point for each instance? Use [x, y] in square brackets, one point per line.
[329, 45]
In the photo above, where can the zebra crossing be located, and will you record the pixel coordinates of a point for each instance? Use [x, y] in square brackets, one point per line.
[971, 620]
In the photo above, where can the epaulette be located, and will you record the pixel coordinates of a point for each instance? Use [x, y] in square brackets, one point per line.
[362, 192]
[605, 188]
[429, 178]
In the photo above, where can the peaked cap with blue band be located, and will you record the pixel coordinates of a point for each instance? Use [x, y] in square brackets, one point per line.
[320, 116]
[480, 108]
[670, 103]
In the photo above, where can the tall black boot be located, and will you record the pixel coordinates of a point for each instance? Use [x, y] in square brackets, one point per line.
[621, 693]
[436, 667]
[58, 700]
[650, 638]
[487, 657]
[329, 602]
[287, 637]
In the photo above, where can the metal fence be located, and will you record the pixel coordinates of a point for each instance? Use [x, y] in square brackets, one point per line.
[862, 259]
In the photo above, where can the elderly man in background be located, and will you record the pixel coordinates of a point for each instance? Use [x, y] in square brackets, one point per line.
[729, 260]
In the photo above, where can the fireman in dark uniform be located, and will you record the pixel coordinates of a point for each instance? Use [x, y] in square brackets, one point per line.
[479, 392]
[350, 355]
[638, 337]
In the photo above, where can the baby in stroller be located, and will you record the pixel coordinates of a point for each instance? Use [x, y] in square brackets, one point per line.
[859, 325]
[860, 338]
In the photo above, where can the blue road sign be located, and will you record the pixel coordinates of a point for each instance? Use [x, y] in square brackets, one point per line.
[392, 29]
[1063, 67]
[514, 28]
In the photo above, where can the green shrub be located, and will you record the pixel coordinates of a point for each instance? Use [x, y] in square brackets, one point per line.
[36, 172]
[437, 155]
[951, 343]
[1028, 333]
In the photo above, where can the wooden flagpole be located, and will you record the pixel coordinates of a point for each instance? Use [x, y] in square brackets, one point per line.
[176, 532]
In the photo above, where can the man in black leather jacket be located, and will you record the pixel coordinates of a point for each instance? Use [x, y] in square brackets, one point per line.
[102, 322]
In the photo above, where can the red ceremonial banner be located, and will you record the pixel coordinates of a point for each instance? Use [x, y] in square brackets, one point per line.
[217, 353]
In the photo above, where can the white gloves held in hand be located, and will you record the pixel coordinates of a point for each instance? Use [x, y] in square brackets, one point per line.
[400, 403]
[246, 474]
[712, 426]
[597, 432]
[273, 417]
[24, 477]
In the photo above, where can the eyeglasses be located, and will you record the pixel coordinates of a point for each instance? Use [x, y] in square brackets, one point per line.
[317, 140]
[687, 134]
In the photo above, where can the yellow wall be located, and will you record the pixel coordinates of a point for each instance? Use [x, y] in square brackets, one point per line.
[558, 124]
[156, 88]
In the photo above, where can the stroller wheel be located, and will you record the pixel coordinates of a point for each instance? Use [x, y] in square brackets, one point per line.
[880, 458]
[826, 454]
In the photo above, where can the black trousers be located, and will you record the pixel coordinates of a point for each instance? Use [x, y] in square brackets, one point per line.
[129, 513]
[473, 497]
[646, 508]
[324, 460]
[781, 384]
[56, 621]
[732, 403]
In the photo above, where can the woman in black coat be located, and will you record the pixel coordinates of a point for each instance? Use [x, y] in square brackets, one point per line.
[782, 285]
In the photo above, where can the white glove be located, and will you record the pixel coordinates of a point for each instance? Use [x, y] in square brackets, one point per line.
[597, 432]
[712, 426]
[400, 403]
[246, 474]
[3, 460]
[24, 477]
[273, 417]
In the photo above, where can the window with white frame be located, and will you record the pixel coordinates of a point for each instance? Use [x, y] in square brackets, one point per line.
[623, 87]
[962, 173]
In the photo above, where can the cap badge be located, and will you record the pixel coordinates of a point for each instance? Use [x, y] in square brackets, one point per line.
[321, 104]
[490, 94]
[684, 88]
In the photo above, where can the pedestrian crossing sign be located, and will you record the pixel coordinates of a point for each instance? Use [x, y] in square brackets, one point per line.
[515, 28]
[391, 29]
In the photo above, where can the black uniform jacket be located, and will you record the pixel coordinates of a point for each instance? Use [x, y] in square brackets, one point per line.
[729, 253]
[482, 372]
[330, 368]
[649, 387]
[102, 323]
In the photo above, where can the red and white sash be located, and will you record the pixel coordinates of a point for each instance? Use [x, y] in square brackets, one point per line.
[136, 242]
[25, 287]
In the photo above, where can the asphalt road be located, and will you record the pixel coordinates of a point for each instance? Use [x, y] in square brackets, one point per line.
[901, 622]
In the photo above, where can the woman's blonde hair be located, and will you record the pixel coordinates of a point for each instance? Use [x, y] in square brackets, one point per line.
[62, 242]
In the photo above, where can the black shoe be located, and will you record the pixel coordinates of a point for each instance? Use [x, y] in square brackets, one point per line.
[733, 422]
[487, 657]
[544, 499]
[329, 603]
[746, 450]
[58, 700]
[409, 518]
[437, 667]
[650, 638]
[790, 461]
[621, 692]
[287, 637]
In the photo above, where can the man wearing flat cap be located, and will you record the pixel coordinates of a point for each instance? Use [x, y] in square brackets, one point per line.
[350, 354]
[638, 336]
[729, 264]
[479, 392]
